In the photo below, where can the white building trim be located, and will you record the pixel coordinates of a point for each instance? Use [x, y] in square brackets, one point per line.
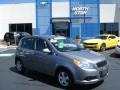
[16, 13]
[107, 13]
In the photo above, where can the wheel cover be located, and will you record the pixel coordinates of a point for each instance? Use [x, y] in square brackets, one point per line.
[64, 79]
[103, 48]
[18, 65]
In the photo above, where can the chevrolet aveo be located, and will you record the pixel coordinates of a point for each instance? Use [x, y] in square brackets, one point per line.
[62, 58]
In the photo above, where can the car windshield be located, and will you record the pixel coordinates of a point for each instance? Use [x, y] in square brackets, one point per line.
[65, 44]
[101, 37]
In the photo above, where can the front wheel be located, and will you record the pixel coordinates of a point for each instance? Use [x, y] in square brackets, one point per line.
[19, 66]
[64, 78]
[103, 47]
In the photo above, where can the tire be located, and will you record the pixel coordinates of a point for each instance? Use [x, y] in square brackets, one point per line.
[103, 47]
[8, 42]
[19, 66]
[64, 79]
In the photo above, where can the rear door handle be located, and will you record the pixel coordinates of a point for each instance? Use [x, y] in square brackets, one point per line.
[26, 52]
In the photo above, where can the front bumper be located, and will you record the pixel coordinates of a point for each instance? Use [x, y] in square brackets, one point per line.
[93, 47]
[92, 76]
[117, 50]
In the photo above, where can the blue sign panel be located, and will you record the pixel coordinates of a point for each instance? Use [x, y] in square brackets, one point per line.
[43, 16]
[85, 17]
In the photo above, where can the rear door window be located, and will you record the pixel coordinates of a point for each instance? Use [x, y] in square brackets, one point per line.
[28, 43]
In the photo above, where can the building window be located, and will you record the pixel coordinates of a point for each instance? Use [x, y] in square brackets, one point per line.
[61, 28]
[109, 28]
[22, 27]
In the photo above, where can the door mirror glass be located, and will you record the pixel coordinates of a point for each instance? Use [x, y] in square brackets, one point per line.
[46, 50]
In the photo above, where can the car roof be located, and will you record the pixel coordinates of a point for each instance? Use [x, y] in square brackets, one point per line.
[46, 37]
[16, 32]
[10, 32]
[36, 37]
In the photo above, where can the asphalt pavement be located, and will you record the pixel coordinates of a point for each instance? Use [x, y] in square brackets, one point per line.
[10, 79]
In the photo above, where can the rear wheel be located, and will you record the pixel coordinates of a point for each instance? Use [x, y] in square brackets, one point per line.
[19, 66]
[8, 43]
[103, 47]
[64, 78]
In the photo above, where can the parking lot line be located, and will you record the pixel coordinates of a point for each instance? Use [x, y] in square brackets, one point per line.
[7, 55]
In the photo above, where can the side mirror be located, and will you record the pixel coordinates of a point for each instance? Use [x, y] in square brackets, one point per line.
[46, 50]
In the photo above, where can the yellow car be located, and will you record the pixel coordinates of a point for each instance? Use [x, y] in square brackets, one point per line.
[102, 42]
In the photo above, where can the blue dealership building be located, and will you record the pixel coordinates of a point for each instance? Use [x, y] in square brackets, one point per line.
[68, 17]
[51, 17]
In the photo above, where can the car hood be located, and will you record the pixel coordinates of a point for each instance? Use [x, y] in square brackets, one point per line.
[92, 41]
[88, 55]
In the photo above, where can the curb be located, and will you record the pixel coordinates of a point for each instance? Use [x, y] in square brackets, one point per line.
[7, 47]
[11, 47]
[2, 46]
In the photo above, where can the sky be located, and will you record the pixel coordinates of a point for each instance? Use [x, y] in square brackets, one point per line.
[15, 1]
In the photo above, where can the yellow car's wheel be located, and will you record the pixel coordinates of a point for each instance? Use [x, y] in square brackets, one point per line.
[103, 47]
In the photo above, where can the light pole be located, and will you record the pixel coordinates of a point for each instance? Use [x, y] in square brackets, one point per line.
[84, 16]
[118, 4]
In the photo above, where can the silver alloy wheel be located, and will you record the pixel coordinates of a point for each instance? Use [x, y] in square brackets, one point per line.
[19, 66]
[64, 79]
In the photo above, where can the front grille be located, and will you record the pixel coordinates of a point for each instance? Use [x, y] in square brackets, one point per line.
[103, 73]
[90, 47]
[89, 43]
[101, 64]
[90, 78]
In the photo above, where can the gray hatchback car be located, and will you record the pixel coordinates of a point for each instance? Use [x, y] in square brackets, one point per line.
[61, 57]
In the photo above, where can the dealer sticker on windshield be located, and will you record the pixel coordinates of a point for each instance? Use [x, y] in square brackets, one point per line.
[60, 44]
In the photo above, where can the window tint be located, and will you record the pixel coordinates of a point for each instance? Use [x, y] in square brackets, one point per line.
[109, 28]
[28, 43]
[41, 44]
[11, 35]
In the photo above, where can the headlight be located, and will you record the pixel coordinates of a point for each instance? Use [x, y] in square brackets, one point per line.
[83, 64]
[118, 44]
